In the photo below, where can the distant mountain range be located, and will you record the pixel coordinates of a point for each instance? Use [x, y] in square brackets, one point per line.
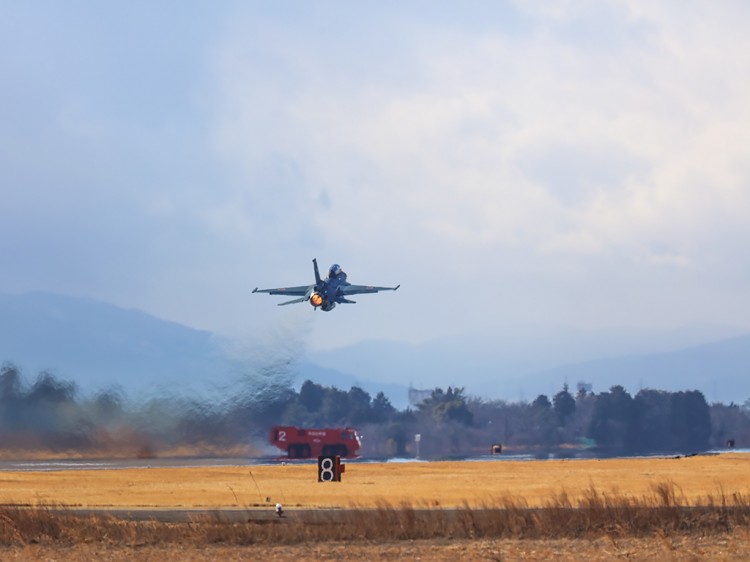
[101, 346]
[721, 370]
[521, 363]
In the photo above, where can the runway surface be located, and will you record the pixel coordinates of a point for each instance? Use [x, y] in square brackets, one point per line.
[195, 462]
[259, 516]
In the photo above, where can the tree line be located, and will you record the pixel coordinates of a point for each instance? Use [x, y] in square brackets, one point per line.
[50, 414]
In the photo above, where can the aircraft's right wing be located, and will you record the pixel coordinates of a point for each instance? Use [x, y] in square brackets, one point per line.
[292, 291]
[362, 289]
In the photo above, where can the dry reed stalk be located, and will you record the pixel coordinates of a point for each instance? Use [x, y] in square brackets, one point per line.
[664, 514]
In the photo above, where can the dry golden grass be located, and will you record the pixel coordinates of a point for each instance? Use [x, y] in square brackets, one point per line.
[563, 510]
[601, 528]
[435, 484]
[721, 547]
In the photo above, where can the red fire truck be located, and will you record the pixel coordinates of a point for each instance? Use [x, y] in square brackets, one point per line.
[301, 443]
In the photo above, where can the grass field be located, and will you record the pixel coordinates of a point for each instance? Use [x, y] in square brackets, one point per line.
[686, 508]
[434, 484]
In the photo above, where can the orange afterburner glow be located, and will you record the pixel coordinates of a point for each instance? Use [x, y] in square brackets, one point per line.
[316, 299]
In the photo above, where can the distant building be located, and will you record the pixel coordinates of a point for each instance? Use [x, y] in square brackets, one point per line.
[416, 396]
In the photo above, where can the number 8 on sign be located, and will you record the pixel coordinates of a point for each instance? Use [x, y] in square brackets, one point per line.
[329, 469]
[326, 469]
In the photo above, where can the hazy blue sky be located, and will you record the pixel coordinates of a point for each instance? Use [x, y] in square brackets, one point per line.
[573, 163]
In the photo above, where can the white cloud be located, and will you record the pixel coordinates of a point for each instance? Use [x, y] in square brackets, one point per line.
[564, 140]
[547, 150]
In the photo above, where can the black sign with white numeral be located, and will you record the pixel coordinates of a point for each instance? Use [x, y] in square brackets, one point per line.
[330, 469]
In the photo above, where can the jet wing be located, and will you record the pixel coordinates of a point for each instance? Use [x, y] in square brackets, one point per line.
[295, 301]
[292, 291]
[361, 289]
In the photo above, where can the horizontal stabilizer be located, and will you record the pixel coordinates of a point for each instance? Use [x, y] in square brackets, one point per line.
[301, 299]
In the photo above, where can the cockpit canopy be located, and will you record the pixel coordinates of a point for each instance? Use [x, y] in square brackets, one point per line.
[334, 270]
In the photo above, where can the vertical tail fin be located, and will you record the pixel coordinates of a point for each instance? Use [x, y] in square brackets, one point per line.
[317, 273]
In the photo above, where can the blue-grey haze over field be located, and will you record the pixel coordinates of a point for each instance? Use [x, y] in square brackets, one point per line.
[566, 167]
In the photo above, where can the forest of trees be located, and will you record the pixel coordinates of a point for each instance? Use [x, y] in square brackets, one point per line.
[50, 414]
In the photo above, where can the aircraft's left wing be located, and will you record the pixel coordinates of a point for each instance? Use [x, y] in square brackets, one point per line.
[292, 291]
[360, 289]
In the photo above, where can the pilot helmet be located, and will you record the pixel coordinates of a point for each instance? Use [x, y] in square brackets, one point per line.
[334, 270]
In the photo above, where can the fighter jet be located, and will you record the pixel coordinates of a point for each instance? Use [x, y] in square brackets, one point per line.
[325, 293]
